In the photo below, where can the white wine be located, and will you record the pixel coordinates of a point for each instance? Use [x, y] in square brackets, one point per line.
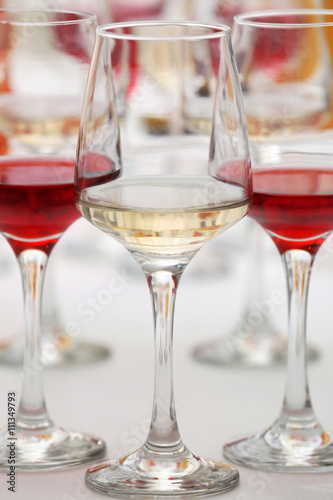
[166, 215]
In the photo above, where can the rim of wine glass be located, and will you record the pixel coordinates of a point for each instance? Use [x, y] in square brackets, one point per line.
[246, 18]
[85, 17]
[108, 31]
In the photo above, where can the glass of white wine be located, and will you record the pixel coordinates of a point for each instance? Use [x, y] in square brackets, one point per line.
[150, 176]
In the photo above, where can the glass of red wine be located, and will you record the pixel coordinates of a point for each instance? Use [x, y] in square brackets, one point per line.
[285, 64]
[45, 57]
[150, 176]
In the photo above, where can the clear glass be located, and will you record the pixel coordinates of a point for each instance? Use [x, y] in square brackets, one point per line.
[264, 345]
[285, 64]
[254, 340]
[58, 347]
[101, 8]
[44, 59]
[150, 176]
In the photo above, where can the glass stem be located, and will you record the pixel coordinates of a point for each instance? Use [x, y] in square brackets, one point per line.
[32, 410]
[297, 414]
[163, 434]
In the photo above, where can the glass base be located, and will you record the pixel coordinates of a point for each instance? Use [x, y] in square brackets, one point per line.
[264, 347]
[175, 474]
[50, 448]
[62, 350]
[255, 452]
[58, 349]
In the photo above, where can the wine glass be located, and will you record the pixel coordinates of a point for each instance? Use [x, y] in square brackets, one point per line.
[285, 64]
[149, 176]
[60, 344]
[58, 347]
[45, 57]
[253, 340]
[263, 345]
[101, 8]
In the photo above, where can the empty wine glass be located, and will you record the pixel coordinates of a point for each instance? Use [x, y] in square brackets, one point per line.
[285, 64]
[102, 8]
[60, 345]
[45, 57]
[253, 340]
[149, 176]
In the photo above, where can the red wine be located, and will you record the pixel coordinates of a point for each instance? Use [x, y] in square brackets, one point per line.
[36, 201]
[72, 39]
[273, 48]
[295, 205]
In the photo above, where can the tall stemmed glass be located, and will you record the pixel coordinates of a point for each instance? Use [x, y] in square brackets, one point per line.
[148, 175]
[285, 64]
[45, 58]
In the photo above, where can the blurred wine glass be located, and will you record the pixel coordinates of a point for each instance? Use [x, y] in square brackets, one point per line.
[253, 340]
[101, 8]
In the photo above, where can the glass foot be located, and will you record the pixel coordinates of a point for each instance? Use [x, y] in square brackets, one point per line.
[163, 474]
[50, 448]
[58, 349]
[256, 452]
[265, 347]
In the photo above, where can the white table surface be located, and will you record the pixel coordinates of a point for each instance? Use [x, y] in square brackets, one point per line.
[113, 398]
